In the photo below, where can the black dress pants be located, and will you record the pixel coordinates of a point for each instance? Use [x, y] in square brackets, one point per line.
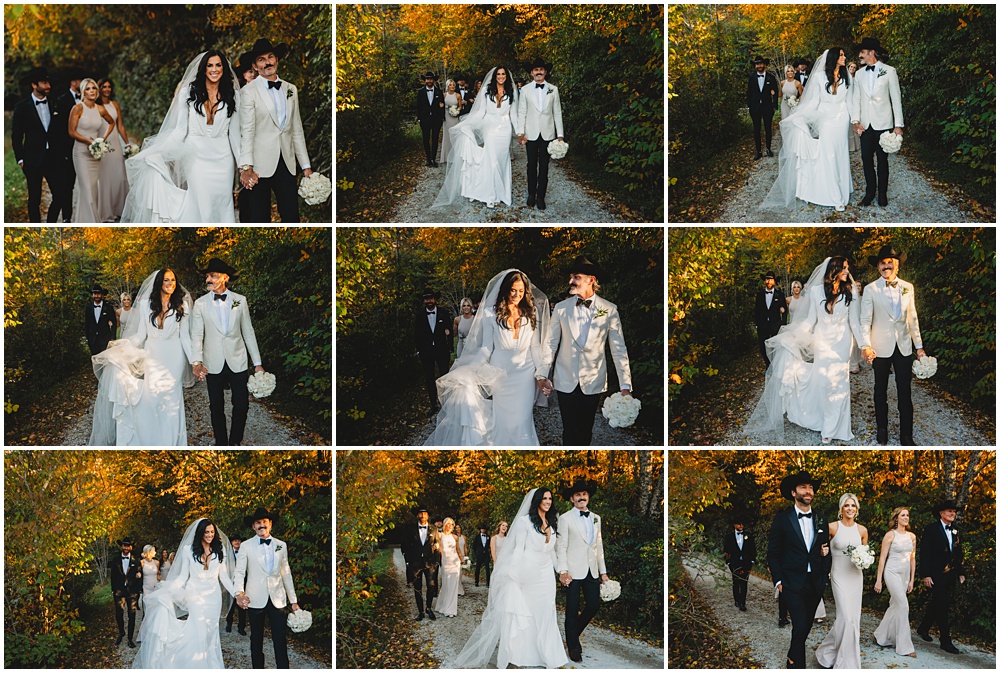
[740, 578]
[126, 602]
[870, 150]
[802, 606]
[276, 617]
[577, 621]
[901, 365]
[217, 403]
[538, 167]
[441, 359]
[483, 562]
[424, 575]
[937, 609]
[577, 411]
[242, 618]
[431, 131]
[761, 116]
[256, 203]
[52, 170]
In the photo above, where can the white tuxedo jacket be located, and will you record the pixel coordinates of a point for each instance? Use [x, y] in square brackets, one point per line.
[215, 347]
[584, 364]
[533, 121]
[573, 554]
[878, 327]
[877, 104]
[255, 581]
[261, 140]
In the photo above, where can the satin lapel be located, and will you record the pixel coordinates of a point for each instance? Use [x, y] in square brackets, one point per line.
[214, 313]
[593, 333]
[574, 327]
[793, 517]
[815, 534]
[268, 103]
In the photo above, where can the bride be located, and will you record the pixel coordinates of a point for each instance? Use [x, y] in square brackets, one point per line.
[520, 617]
[205, 559]
[155, 344]
[501, 359]
[809, 376]
[479, 158]
[814, 163]
[186, 172]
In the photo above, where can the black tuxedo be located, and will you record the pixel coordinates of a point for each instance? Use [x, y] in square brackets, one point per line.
[802, 573]
[762, 104]
[431, 117]
[943, 565]
[99, 333]
[422, 561]
[740, 561]
[434, 347]
[467, 100]
[801, 78]
[43, 152]
[768, 320]
[65, 104]
[483, 556]
[126, 588]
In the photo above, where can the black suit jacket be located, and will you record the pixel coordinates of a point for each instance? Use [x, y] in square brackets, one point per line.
[65, 104]
[481, 551]
[762, 101]
[467, 101]
[421, 555]
[736, 558]
[770, 318]
[798, 77]
[29, 138]
[427, 114]
[936, 560]
[100, 333]
[122, 585]
[787, 556]
[435, 343]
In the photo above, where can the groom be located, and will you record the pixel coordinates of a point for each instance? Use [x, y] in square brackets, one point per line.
[581, 327]
[539, 120]
[271, 139]
[221, 333]
[580, 562]
[876, 107]
[797, 557]
[264, 587]
[889, 331]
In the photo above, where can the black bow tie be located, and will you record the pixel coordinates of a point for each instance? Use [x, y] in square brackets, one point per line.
[585, 302]
[539, 86]
[126, 558]
[274, 85]
[423, 527]
[267, 541]
[768, 291]
[431, 310]
[587, 514]
[948, 528]
[869, 67]
[220, 296]
[806, 516]
[892, 283]
[760, 74]
[44, 101]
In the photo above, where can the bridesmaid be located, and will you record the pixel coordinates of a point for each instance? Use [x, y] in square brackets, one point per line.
[899, 545]
[790, 87]
[451, 97]
[463, 323]
[123, 315]
[794, 302]
[463, 553]
[113, 184]
[842, 646]
[496, 542]
[88, 120]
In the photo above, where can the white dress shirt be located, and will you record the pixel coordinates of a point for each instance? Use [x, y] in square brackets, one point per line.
[125, 562]
[947, 534]
[588, 525]
[44, 113]
[278, 98]
[540, 93]
[768, 296]
[432, 320]
[761, 78]
[806, 525]
[97, 312]
[584, 317]
[739, 540]
[895, 295]
[430, 97]
[222, 311]
[268, 553]
[423, 533]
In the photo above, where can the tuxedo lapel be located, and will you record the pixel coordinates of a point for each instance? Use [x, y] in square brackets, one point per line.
[266, 99]
[574, 327]
[213, 313]
[794, 519]
[593, 336]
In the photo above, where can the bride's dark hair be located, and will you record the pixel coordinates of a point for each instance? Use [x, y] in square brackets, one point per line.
[176, 304]
[196, 545]
[833, 270]
[199, 91]
[527, 303]
[508, 86]
[550, 516]
[832, 57]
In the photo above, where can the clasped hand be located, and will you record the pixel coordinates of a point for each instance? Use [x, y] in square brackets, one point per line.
[199, 370]
[249, 178]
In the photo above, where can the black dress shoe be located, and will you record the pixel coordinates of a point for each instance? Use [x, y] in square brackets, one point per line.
[883, 201]
[757, 156]
[531, 203]
[948, 647]
[743, 608]
[427, 163]
[769, 153]
[906, 441]
[923, 634]
[882, 436]
[119, 640]
[430, 613]
[782, 623]
[242, 632]
[434, 164]
[131, 644]
[576, 653]
[229, 628]
[540, 203]
[867, 201]
[419, 618]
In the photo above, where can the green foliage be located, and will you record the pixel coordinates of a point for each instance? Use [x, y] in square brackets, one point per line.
[971, 128]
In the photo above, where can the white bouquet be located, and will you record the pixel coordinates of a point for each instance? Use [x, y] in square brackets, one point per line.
[315, 189]
[890, 142]
[300, 620]
[610, 590]
[925, 367]
[261, 384]
[99, 147]
[558, 148]
[454, 110]
[862, 557]
[792, 101]
[131, 149]
[621, 411]
[467, 564]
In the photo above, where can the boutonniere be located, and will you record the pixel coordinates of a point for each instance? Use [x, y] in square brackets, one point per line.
[601, 312]
[549, 90]
[288, 93]
[881, 72]
[235, 305]
[277, 548]
[746, 537]
[905, 290]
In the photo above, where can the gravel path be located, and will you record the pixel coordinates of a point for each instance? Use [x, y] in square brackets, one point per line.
[911, 197]
[769, 643]
[565, 200]
[934, 422]
[262, 428]
[601, 648]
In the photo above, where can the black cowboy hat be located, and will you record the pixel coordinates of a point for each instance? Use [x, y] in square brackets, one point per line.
[586, 266]
[72, 72]
[218, 266]
[769, 274]
[263, 46]
[235, 537]
[36, 75]
[261, 513]
[97, 289]
[428, 293]
[945, 504]
[243, 63]
[429, 75]
[539, 62]
[124, 542]
[884, 252]
[737, 518]
[800, 61]
[873, 44]
[789, 483]
[418, 510]
[758, 59]
[580, 485]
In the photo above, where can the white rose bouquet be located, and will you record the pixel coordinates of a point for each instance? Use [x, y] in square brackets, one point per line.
[862, 557]
[925, 367]
[300, 620]
[131, 149]
[99, 147]
[261, 384]
[792, 101]
[315, 189]
[890, 142]
[467, 564]
[620, 410]
[454, 110]
[558, 148]
[610, 590]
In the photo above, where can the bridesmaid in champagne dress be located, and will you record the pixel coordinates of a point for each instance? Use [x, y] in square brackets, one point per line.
[451, 97]
[88, 120]
[842, 646]
[790, 87]
[898, 569]
[451, 569]
[113, 186]
[463, 323]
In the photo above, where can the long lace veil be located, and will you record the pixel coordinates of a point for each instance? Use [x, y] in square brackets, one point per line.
[120, 365]
[158, 175]
[467, 139]
[505, 596]
[466, 417]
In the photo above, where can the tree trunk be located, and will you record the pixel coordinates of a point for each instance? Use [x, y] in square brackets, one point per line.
[949, 473]
[655, 511]
[915, 474]
[611, 465]
[644, 481]
[970, 474]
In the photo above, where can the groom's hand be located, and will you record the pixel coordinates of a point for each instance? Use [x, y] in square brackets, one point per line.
[295, 607]
[604, 578]
[307, 172]
[859, 129]
[869, 354]
[259, 369]
[921, 353]
[626, 392]
[898, 131]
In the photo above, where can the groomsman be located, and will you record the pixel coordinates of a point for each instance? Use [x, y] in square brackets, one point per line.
[421, 549]
[762, 100]
[432, 338]
[940, 565]
[769, 312]
[38, 138]
[430, 114]
[100, 321]
[64, 105]
[126, 586]
[481, 550]
[740, 551]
